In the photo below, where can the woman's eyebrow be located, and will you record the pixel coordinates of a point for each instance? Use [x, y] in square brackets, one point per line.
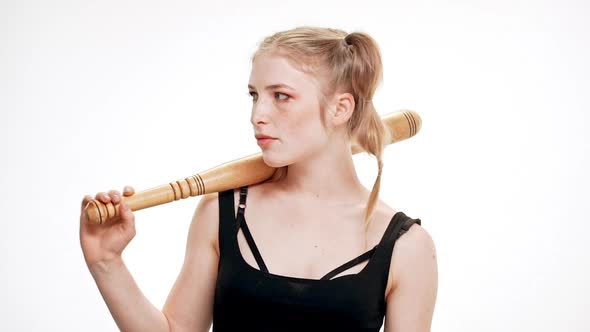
[273, 86]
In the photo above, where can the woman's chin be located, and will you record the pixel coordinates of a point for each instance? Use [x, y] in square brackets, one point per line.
[272, 161]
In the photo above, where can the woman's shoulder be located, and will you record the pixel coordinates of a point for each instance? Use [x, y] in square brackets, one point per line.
[414, 243]
[414, 248]
[413, 254]
[384, 211]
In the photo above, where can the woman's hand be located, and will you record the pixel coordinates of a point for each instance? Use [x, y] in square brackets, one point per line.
[104, 242]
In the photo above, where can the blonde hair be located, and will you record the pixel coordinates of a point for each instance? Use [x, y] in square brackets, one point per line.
[344, 62]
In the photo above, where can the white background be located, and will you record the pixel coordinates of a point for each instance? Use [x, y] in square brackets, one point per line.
[95, 95]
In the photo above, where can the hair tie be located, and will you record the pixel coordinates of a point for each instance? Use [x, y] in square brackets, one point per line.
[366, 101]
[346, 41]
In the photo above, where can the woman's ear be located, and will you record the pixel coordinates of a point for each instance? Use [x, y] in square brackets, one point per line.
[343, 108]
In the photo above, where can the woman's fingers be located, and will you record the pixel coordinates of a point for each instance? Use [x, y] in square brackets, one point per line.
[115, 196]
[102, 197]
[85, 201]
[128, 191]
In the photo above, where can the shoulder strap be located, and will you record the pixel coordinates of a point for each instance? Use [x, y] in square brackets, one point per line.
[227, 224]
[241, 221]
[353, 262]
[400, 224]
[407, 224]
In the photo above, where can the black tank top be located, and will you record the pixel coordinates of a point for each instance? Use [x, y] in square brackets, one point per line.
[249, 299]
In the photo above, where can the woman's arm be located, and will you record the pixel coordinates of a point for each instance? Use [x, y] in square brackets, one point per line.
[190, 302]
[189, 306]
[410, 303]
[130, 309]
[102, 246]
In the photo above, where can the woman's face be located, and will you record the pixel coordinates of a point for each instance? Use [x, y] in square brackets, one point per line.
[285, 105]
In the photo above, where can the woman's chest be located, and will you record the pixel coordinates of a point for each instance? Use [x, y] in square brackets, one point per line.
[308, 245]
[254, 297]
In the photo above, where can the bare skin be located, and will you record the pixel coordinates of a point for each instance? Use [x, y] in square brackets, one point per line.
[305, 225]
[315, 237]
[102, 246]
[294, 243]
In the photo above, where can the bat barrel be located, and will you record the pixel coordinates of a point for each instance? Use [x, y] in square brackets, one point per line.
[236, 173]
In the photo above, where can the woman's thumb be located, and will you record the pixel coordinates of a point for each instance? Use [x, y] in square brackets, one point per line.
[127, 215]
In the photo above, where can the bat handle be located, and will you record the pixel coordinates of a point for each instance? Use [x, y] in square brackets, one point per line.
[98, 212]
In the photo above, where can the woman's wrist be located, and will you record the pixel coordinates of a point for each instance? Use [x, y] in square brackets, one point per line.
[105, 266]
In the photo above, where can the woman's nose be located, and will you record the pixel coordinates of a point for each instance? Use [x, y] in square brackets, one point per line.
[260, 112]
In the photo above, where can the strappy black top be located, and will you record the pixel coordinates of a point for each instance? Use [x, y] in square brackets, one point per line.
[248, 299]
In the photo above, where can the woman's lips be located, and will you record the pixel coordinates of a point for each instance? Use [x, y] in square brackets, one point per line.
[264, 141]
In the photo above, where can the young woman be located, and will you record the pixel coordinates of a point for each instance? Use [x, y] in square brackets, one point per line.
[313, 250]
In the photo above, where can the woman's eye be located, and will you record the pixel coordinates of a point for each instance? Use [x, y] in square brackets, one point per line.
[278, 93]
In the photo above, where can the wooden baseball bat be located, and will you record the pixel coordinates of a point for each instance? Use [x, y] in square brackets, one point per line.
[233, 174]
